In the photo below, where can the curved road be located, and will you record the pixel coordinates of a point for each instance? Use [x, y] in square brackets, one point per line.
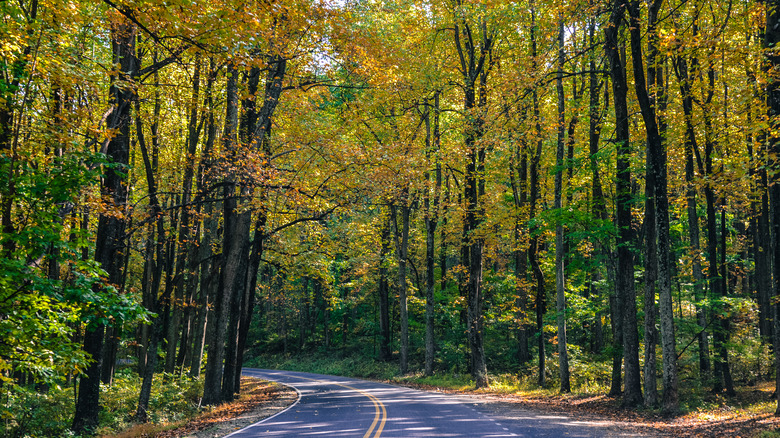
[330, 406]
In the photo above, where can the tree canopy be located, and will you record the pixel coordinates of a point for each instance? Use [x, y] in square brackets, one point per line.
[577, 193]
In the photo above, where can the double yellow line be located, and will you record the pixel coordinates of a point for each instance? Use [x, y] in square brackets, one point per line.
[380, 414]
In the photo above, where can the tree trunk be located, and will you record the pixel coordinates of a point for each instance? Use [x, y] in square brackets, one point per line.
[181, 276]
[599, 205]
[540, 300]
[624, 308]
[240, 288]
[518, 176]
[234, 232]
[722, 374]
[401, 238]
[651, 276]
[657, 155]
[560, 293]
[109, 251]
[248, 299]
[431, 220]
[202, 256]
[771, 42]
[385, 352]
[152, 300]
[691, 147]
[475, 63]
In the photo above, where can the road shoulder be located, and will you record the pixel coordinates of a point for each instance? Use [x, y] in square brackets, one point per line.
[230, 417]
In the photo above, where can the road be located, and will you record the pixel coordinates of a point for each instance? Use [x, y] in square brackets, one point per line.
[331, 406]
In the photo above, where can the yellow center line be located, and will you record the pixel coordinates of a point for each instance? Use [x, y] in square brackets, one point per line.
[380, 410]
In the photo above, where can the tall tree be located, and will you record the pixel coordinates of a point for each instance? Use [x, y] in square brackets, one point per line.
[432, 152]
[657, 161]
[235, 234]
[625, 295]
[474, 47]
[110, 243]
[401, 239]
[560, 284]
[772, 47]
[533, 247]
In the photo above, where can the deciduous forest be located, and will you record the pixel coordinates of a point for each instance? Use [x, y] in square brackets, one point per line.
[573, 194]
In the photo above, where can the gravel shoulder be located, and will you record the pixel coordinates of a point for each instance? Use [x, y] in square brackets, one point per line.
[285, 397]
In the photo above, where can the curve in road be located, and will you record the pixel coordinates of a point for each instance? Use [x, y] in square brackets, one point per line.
[330, 406]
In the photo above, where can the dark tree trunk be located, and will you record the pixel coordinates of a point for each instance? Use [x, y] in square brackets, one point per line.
[152, 300]
[244, 278]
[657, 160]
[258, 127]
[207, 226]
[234, 232]
[231, 283]
[722, 374]
[651, 276]
[229, 377]
[599, 205]
[110, 350]
[560, 250]
[182, 274]
[385, 352]
[624, 308]
[109, 251]
[248, 299]
[475, 63]
[518, 176]
[431, 220]
[443, 234]
[540, 301]
[401, 238]
[724, 284]
[772, 41]
[691, 149]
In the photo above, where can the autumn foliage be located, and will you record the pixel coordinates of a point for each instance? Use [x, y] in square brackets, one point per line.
[581, 194]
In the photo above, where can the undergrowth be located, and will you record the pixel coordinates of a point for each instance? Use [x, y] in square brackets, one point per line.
[30, 412]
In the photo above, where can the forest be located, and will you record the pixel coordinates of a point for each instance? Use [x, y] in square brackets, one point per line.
[576, 194]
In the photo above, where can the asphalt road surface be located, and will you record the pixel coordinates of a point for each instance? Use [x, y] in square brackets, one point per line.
[331, 406]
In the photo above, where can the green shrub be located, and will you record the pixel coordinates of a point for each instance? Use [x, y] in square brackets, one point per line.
[26, 412]
[29, 413]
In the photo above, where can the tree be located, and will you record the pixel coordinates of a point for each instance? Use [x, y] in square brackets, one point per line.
[657, 178]
[560, 285]
[625, 295]
[109, 252]
[771, 40]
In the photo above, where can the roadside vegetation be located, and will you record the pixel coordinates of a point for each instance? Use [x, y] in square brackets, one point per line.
[175, 408]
